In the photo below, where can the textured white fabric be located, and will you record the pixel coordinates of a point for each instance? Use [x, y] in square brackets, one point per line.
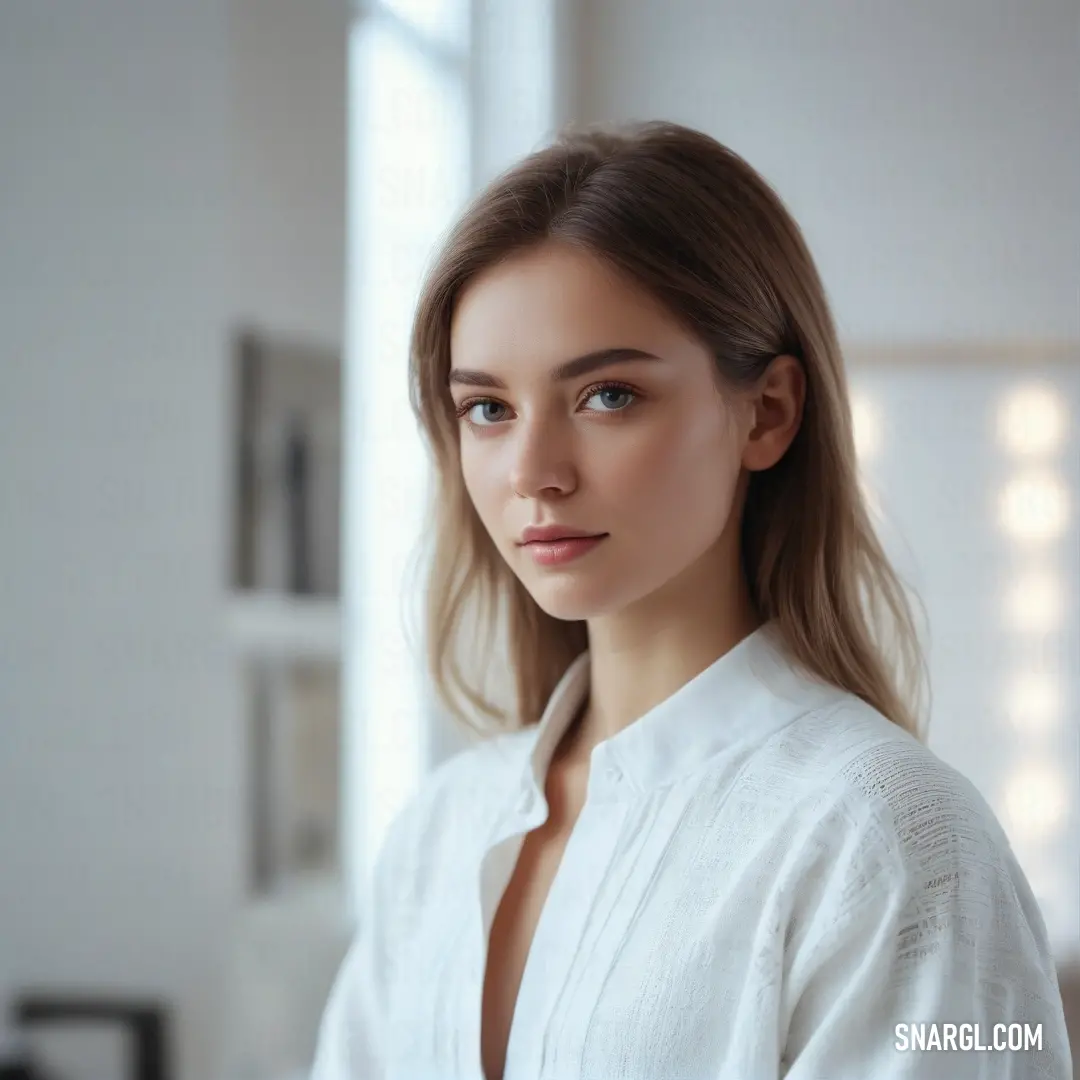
[765, 878]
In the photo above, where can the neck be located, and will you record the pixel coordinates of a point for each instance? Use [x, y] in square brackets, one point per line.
[641, 656]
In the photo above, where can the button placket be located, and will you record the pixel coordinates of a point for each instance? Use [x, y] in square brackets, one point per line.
[609, 776]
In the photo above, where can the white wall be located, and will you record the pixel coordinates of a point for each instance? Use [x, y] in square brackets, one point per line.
[287, 153]
[120, 851]
[166, 171]
[930, 150]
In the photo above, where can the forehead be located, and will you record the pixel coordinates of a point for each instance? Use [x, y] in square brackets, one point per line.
[551, 302]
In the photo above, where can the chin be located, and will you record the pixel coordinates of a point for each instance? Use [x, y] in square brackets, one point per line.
[574, 600]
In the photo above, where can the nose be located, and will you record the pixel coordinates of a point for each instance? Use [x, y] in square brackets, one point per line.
[542, 459]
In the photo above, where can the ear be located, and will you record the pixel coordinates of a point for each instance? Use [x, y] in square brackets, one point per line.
[776, 412]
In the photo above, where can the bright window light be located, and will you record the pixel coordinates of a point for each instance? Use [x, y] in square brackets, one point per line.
[442, 20]
[408, 178]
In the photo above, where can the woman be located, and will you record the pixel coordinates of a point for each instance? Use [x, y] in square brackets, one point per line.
[708, 841]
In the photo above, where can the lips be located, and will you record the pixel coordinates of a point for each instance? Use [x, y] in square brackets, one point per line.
[547, 534]
[568, 549]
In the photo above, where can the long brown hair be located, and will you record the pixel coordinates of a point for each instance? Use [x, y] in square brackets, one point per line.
[692, 222]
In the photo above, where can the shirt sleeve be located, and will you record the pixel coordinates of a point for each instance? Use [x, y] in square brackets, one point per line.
[937, 928]
[350, 1043]
[347, 1046]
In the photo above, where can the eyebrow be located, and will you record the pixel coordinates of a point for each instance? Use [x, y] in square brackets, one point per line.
[570, 369]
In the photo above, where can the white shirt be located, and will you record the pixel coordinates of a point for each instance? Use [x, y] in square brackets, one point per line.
[766, 877]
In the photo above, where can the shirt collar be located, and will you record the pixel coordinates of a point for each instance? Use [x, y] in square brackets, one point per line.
[750, 691]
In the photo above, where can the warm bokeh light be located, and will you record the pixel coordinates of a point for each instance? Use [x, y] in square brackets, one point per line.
[1035, 603]
[868, 427]
[1035, 801]
[1032, 420]
[1034, 506]
[1033, 702]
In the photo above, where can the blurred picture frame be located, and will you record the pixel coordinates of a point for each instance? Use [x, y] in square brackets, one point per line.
[287, 452]
[295, 731]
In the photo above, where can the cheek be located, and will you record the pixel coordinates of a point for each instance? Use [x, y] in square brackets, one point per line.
[484, 481]
[681, 473]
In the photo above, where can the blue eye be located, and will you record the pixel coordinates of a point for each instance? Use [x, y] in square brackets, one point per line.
[611, 391]
[482, 404]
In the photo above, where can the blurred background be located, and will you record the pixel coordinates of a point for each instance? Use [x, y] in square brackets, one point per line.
[214, 216]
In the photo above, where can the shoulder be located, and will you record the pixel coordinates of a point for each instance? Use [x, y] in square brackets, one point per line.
[453, 805]
[856, 760]
[906, 852]
[899, 820]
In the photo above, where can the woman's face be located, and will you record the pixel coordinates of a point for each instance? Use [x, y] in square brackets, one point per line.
[640, 448]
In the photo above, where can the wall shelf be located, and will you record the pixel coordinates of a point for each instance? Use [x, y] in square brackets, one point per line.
[280, 626]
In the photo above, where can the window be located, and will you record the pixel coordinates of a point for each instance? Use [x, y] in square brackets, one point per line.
[409, 173]
[443, 94]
